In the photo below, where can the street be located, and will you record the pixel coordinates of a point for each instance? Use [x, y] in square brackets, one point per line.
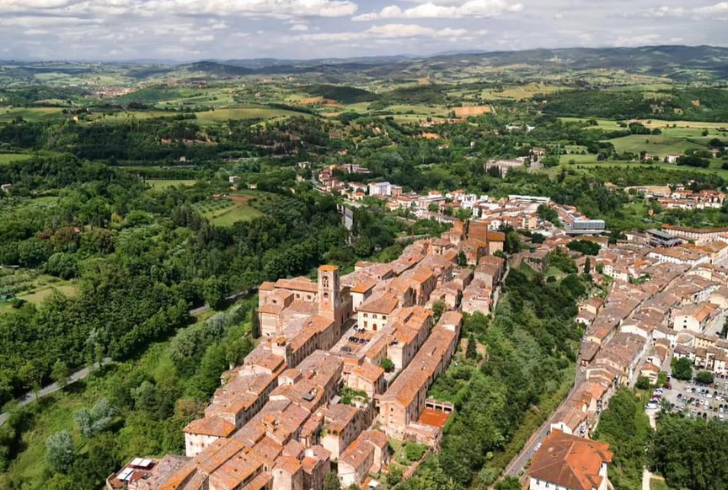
[50, 389]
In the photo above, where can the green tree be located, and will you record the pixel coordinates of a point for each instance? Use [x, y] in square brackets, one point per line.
[331, 482]
[438, 308]
[462, 259]
[387, 365]
[59, 452]
[704, 377]
[214, 292]
[587, 266]
[60, 373]
[682, 369]
[643, 383]
[471, 352]
[508, 483]
[32, 374]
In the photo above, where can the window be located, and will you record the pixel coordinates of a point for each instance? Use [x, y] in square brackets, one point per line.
[326, 295]
[374, 316]
[366, 315]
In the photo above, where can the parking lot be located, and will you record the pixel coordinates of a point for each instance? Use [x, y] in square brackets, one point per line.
[697, 400]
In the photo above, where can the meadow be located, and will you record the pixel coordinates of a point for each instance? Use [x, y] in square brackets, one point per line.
[30, 114]
[230, 210]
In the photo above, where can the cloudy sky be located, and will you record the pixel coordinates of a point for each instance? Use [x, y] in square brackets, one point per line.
[302, 29]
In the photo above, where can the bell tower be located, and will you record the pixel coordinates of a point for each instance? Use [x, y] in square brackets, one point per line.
[329, 291]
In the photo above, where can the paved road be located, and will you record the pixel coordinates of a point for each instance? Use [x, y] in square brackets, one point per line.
[528, 451]
[81, 374]
[50, 389]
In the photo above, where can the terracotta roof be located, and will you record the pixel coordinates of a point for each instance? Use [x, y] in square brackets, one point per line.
[570, 461]
[363, 286]
[383, 303]
[210, 426]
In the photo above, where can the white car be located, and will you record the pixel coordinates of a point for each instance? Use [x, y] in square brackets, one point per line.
[538, 446]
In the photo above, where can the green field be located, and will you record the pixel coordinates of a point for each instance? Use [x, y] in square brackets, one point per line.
[657, 145]
[226, 212]
[13, 157]
[245, 113]
[30, 286]
[164, 184]
[588, 161]
[31, 114]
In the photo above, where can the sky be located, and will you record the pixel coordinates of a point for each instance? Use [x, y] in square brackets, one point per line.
[187, 30]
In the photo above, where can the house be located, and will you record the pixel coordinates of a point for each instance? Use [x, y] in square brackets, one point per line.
[373, 314]
[672, 158]
[381, 189]
[234, 179]
[367, 454]
[569, 462]
[404, 401]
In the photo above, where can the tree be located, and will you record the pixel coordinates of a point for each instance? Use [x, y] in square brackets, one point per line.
[331, 482]
[682, 369]
[587, 266]
[394, 477]
[471, 351]
[59, 452]
[704, 377]
[32, 375]
[60, 373]
[462, 259]
[643, 383]
[438, 308]
[96, 420]
[508, 483]
[387, 365]
[214, 293]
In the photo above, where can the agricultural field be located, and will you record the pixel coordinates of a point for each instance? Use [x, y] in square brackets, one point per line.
[30, 286]
[165, 184]
[30, 114]
[245, 113]
[229, 210]
[658, 145]
[520, 92]
[13, 157]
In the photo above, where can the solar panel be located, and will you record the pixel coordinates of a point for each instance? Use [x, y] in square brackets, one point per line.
[124, 475]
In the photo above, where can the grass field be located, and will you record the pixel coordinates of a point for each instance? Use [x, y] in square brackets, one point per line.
[32, 287]
[656, 484]
[13, 157]
[520, 92]
[227, 212]
[164, 184]
[591, 161]
[657, 145]
[246, 113]
[31, 114]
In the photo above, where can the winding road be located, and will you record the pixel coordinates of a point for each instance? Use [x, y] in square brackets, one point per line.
[51, 388]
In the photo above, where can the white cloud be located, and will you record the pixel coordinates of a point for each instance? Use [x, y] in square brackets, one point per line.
[471, 9]
[631, 41]
[218, 26]
[388, 31]
[151, 8]
[718, 8]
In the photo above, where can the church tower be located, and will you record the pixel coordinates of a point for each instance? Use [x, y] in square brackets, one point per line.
[329, 292]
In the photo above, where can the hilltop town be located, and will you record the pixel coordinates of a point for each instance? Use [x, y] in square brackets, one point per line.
[345, 362]
[344, 365]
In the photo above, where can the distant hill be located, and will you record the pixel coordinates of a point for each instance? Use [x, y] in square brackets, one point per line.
[676, 62]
